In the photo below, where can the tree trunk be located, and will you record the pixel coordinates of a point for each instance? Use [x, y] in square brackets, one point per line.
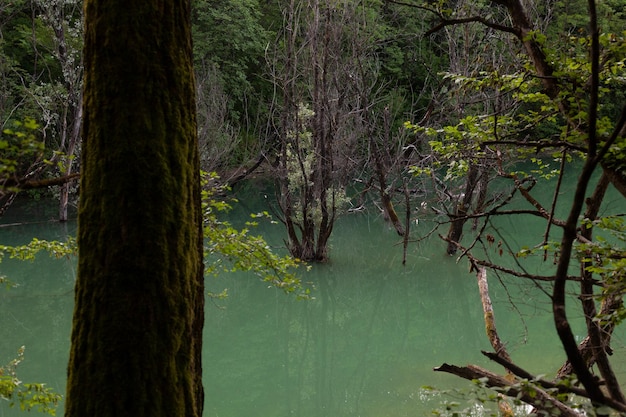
[599, 333]
[459, 217]
[137, 326]
[74, 139]
[381, 170]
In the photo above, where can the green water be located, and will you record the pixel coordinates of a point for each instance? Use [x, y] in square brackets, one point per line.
[365, 346]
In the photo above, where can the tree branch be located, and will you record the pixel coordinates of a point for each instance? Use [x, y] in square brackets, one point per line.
[33, 184]
[415, 6]
[537, 144]
[535, 396]
[512, 272]
[474, 19]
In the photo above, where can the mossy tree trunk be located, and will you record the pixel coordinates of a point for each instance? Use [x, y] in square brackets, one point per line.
[136, 337]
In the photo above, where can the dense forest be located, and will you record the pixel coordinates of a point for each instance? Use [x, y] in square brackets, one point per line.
[450, 109]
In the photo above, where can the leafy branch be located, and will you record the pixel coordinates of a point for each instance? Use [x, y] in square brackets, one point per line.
[28, 396]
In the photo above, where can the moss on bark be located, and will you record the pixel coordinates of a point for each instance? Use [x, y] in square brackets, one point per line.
[136, 338]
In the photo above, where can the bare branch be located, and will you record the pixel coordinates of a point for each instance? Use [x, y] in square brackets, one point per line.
[512, 272]
[33, 184]
[416, 6]
[474, 19]
[522, 373]
[537, 398]
[537, 144]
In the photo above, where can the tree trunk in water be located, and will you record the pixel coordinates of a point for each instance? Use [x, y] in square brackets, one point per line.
[138, 318]
[391, 213]
[459, 217]
[385, 198]
[307, 147]
[456, 230]
[63, 202]
[73, 107]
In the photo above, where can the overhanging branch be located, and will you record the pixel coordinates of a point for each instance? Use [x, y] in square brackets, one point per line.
[20, 185]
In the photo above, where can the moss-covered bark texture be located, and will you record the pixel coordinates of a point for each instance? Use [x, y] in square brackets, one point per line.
[136, 338]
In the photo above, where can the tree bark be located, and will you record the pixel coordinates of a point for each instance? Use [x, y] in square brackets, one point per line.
[137, 326]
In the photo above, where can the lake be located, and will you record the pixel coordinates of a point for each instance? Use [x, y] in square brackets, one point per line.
[365, 346]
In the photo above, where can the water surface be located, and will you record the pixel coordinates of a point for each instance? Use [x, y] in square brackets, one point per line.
[365, 345]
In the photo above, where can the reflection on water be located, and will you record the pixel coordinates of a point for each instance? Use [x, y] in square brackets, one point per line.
[365, 346]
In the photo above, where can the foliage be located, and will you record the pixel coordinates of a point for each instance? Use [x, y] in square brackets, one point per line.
[533, 128]
[41, 50]
[228, 249]
[29, 251]
[229, 41]
[408, 61]
[29, 396]
[40, 77]
[19, 147]
[237, 24]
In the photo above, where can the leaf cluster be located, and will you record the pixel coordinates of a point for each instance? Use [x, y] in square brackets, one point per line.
[229, 249]
[28, 396]
[19, 146]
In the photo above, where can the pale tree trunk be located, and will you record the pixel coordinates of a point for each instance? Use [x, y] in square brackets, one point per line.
[68, 160]
[70, 118]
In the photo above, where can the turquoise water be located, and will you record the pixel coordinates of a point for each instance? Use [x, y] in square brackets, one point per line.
[365, 346]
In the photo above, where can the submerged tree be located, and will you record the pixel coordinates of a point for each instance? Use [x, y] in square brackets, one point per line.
[310, 114]
[137, 327]
[327, 71]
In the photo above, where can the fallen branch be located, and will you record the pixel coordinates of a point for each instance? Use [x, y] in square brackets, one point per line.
[531, 395]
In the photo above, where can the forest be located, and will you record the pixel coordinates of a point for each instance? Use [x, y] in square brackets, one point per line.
[446, 109]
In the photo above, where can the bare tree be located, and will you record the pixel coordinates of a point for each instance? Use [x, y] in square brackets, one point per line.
[318, 119]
